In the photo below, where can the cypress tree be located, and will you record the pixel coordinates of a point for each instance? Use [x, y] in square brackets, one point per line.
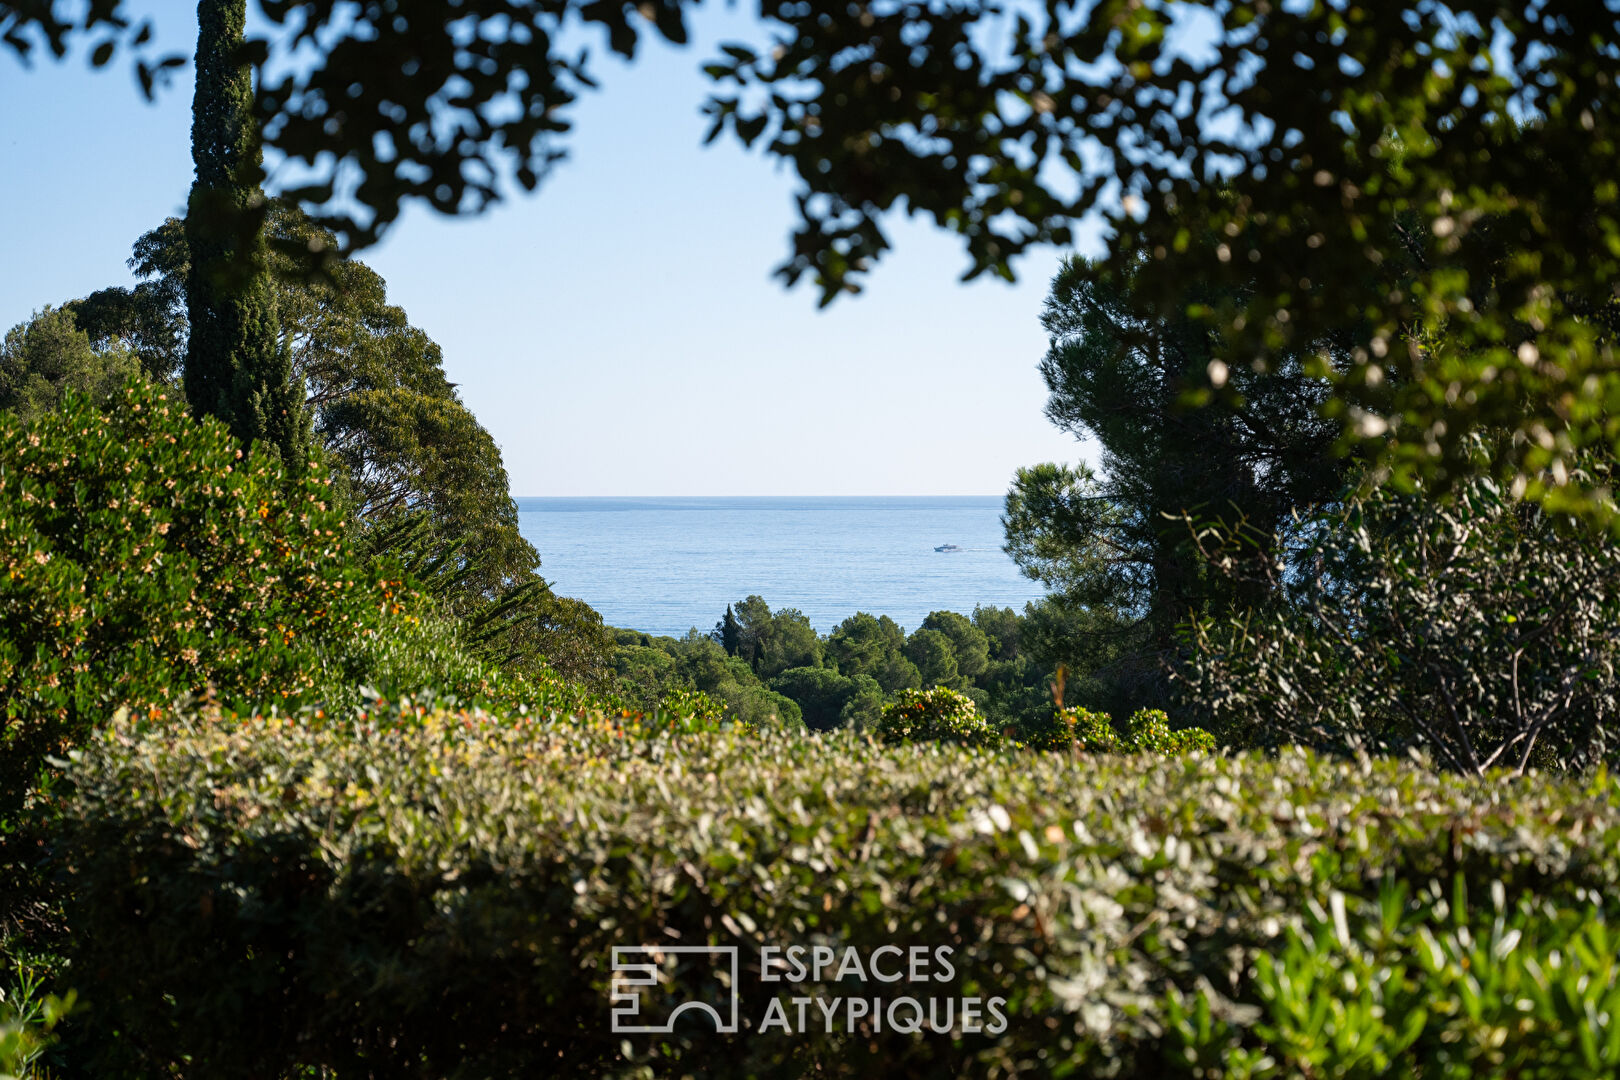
[237, 366]
[728, 633]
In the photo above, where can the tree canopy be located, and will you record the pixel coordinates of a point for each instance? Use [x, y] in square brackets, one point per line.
[1323, 143]
[1127, 376]
[48, 356]
[380, 403]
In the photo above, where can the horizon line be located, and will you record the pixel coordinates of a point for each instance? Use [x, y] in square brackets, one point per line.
[949, 495]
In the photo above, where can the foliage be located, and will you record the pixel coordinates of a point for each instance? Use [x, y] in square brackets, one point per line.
[773, 641]
[649, 670]
[1124, 375]
[820, 694]
[863, 708]
[28, 1019]
[970, 648]
[148, 319]
[1099, 650]
[146, 558]
[727, 633]
[1477, 628]
[875, 646]
[532, 628]
[934, 657]
[526, 630]
[424, 479]
[758, 707]
[395, 432]
[44, 358]
[936, 715]
[1000, 627]
[433, 893]
[866, 660]
[1320, 145]
[1436, 984]
[1146, 732]
[1419, 174]
[237, 367]
[1110, 543]
[1093, 732]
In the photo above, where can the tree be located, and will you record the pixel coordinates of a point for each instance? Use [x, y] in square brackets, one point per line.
[140, 320]
[1000, 628]
[1126, 375]
[820, 694]
[1101, 653]
[934, 657]
[773, 642]
[969, 645]
[1322, 143]
[237, 366]
[862, 644]
[1017, 684]
[382, 409]
[728, 633]
[897, 673]
[649, 669]
[863, 709]
[46, 357]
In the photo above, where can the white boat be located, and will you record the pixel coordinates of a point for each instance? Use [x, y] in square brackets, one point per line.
[947, 547]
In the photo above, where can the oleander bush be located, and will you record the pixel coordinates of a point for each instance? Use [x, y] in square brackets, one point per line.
[938, 714]
[437, 893]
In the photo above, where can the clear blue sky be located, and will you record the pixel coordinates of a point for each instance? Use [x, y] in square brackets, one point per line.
[619, 332]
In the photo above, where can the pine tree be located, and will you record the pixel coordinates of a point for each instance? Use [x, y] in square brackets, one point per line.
[1112, 544]
[238, 368]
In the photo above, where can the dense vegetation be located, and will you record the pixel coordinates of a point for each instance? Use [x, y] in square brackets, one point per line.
[426, 893]
[304, 770]
[755, 657]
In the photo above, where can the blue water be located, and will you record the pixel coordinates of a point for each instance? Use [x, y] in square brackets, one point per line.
[662, 566]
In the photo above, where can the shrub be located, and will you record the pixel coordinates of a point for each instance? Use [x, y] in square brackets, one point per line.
[432, 893]
[1476, 628]
[1093, 731]
[143, 558]
[1190, 740]
[936, 715]
[1440, 984]
[1146, 732]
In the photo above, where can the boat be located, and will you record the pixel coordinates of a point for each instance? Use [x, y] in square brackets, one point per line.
[947, 547]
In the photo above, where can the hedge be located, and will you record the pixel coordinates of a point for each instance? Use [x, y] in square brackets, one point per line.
[425, 893]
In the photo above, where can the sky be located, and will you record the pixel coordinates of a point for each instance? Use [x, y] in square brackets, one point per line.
[619, 332]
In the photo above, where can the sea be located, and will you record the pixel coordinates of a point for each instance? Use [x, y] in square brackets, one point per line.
[665, 565]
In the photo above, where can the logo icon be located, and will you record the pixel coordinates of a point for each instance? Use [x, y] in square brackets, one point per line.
[639, 971]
